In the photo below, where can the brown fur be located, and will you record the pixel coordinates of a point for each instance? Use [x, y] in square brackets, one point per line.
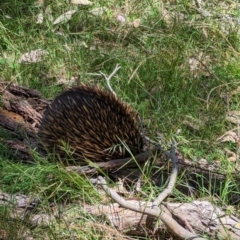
[93, 122]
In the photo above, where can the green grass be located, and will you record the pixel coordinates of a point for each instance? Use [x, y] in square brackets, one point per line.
[46, 180]
[155, 76]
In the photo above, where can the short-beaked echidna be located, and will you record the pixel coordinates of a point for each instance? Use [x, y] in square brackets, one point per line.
[93, 123]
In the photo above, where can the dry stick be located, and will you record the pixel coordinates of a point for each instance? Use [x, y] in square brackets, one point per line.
[168, 190]
[214, 76]
[154, 210]
[135, 70]
[201, 10]
[170, 223]
[115, 164]
[207, 68]
[110, 76]
[16, 128]
[173, 177]
[180, 218]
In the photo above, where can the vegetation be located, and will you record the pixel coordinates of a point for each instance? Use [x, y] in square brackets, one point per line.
[179, 69]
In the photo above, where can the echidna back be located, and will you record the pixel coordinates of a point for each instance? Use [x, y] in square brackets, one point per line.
[93, 123]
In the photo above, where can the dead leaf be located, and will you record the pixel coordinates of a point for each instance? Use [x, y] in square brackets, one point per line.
[136, 23]
[232, 155]
[203, 162]
[193, 63]
[234, 117]
[64, 17]
[67, 82]
[40, 2]
[205, 34]
[98, 11]
[82, 2]
[229, 136]
[39, 18]
[167, 17]
[33, 56]
[48, 13]
[228, 139]
[3, 234]
[193, 123]
[197, 65]
[236, 91]
[121, 19]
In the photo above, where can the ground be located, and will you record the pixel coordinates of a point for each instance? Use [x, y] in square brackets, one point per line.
[179, 69]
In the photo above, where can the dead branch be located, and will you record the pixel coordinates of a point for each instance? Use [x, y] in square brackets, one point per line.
[154, 211]
[110, 76]
[113, 165]
[201, 216]
[173, 177]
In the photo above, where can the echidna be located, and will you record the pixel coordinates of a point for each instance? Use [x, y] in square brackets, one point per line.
[93, 123]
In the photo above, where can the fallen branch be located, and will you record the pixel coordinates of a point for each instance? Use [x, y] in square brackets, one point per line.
[201, 216]
[173, 177]
[155, 210]
[142, 207]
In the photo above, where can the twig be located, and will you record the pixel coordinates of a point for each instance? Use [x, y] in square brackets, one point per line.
[135, 71]
[180, 218]
[110, 76]
[167, 191]
[154, 209]
[115, 164]
[207, 68]
[201, 10]
[209, 94]
[170, 223]
[150, 140]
